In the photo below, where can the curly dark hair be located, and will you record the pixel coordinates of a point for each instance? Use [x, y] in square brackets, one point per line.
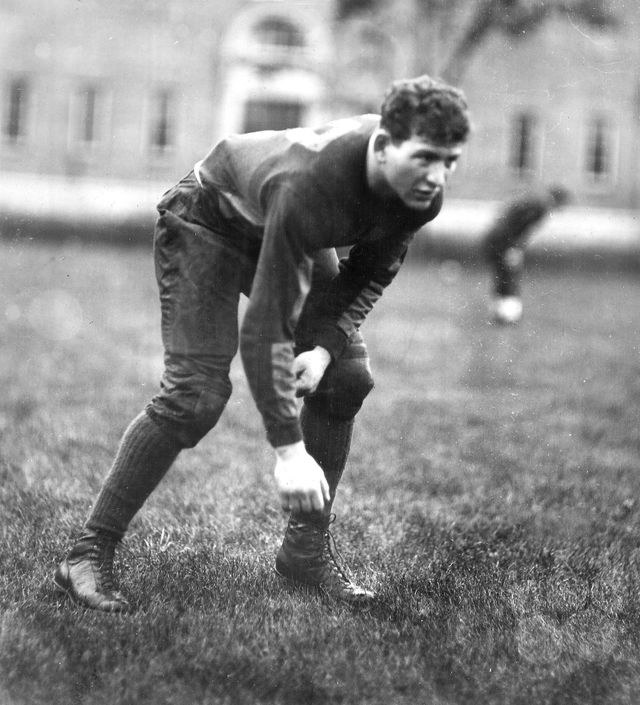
[427, 107]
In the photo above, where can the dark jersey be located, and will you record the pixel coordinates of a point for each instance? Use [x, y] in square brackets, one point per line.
[300, 191]
[514, 225]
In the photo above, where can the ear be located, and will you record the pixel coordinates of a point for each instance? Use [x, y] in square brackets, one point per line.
[380, 143]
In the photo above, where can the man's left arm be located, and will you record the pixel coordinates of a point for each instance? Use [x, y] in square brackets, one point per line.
[348, 299]
[363, 276]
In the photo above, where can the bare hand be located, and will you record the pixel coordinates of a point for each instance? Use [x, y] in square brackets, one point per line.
[309, 368]
[301, 484]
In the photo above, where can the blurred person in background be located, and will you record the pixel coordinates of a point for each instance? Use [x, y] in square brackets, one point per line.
[504, 248]
[261, 215]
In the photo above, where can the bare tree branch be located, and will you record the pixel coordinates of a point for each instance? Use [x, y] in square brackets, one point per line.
[482, 18]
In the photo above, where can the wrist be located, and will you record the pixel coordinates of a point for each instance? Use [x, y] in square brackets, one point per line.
[323, 354]
[290, 450]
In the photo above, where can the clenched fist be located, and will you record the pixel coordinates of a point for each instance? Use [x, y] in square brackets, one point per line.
[301, 484]
[309, 368]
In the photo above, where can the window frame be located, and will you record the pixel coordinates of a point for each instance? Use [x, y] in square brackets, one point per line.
[277, 26]
[23, 110]
[525, 137]
[88, 135]
[600, 128]
[162, 111]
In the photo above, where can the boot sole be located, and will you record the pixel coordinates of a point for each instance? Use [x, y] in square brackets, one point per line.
[322, 591]
[68, 593]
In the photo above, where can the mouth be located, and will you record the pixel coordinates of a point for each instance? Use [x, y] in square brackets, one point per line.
[423, 195]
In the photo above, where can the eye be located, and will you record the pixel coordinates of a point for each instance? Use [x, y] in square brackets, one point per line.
[426, 157]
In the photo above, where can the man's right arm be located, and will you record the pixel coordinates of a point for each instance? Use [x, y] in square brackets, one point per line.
[280, 287]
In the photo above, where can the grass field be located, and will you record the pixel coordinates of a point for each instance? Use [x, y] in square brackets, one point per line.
[491, 498]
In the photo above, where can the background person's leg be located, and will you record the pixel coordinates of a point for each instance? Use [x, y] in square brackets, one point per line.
[506, 304]
[509, 272]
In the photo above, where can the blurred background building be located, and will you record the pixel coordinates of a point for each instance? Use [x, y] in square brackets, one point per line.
[129, 94]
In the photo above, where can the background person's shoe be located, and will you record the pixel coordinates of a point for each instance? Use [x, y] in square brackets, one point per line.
[86, 574]
[506, 309]
[309, 556]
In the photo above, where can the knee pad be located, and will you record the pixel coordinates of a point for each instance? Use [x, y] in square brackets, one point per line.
[513, 258]
[343, 389]
[208, 410]
[189, 414]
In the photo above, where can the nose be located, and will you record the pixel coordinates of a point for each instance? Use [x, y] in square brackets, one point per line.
[437, 174]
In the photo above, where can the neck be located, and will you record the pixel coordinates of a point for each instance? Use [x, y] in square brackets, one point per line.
[375, 179]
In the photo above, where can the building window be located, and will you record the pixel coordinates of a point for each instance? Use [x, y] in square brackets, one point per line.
[162, 132]
[271, 115]
[15, 120]
[599, 149]
[84, 116]
[278, 32]
[88, 118]
[375, 54]
[523, 145]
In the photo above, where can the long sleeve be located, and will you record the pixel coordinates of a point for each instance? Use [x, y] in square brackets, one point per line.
[371, 266]
[363, 276]
[300, 192]
[279, 289]
[514, 224]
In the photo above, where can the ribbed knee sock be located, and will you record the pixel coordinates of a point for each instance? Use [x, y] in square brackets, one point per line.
[328, 441]
[143, 458]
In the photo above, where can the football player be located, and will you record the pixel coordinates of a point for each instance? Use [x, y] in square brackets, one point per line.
[504, 248]
[262, 214]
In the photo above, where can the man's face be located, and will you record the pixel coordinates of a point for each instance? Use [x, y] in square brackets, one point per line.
[416, 170]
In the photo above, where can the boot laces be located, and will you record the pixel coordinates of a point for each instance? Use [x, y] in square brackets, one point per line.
[325, 544]
[335, 560]
[101, 555]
